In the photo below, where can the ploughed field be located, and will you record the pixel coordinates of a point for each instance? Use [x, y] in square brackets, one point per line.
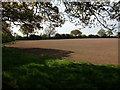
[97, 50]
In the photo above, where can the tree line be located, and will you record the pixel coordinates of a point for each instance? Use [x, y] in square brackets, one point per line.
[74, 34]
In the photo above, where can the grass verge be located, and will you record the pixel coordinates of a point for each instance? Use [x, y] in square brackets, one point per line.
[23, 71]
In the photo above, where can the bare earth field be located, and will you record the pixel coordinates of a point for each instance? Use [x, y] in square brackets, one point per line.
[97, 50]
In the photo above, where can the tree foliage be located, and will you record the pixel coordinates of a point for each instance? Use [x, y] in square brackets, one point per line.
[101, 32]
[32, 14]
[6, 33]
[50, 30]
[93, 13]
[109, 32]
[76, 32]
[26, 29]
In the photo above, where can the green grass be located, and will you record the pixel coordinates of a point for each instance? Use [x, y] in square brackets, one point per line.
[29, 72]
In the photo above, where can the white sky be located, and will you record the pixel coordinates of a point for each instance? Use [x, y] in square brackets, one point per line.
[66, 28]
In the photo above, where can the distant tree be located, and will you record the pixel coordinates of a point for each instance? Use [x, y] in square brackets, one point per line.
[76, 32]
[93, 36]
[50, 30]
[57, 35]
[68, 35]
[96, 36]
[101, 32]
[63, 35]
[44, 36]
[83, 36]
[109, 32]
[17, 37]
[34, 37]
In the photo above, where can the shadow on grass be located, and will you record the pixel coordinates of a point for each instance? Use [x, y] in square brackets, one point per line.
[16, 56]
[27, 72]
[55, 53]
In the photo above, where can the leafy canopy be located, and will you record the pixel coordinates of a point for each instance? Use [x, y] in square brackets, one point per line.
[34, 14]
[31, 14]
[93, 13]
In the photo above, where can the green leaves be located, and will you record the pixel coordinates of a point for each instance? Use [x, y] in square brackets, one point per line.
[6, 33]
[76, 32]
[31, 14]
[86, 12]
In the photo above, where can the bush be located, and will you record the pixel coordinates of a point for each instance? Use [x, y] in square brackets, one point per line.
[83, 36]
[93, 36]
[35, 37]
[57, 36]
[18, 37]
[44, 36]
[68, 36]
[63, 35]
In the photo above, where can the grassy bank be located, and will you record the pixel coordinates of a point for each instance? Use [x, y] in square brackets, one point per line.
[24, 71]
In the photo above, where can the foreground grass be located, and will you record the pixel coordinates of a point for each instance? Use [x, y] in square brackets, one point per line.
[29, 72]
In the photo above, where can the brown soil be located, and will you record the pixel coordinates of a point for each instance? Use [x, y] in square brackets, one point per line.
[98, 51]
